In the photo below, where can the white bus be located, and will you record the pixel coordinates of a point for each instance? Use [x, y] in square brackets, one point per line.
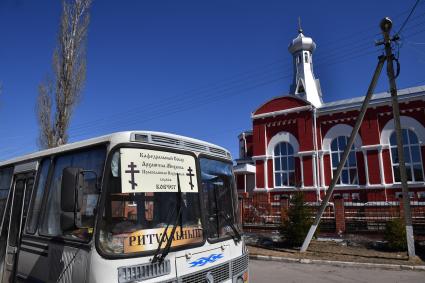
[126, 207]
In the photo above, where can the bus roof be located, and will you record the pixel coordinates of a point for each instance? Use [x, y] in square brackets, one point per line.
[145, 137]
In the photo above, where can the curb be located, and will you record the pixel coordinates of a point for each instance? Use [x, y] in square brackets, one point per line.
[340, 263]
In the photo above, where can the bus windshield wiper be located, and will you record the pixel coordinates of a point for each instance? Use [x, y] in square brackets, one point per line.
[178, 208]
[237, 236]
[164, 233]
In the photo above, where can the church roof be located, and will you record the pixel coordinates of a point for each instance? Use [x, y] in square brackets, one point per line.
[378, 98]
[302, 42]
[278, 104]
[282, 102]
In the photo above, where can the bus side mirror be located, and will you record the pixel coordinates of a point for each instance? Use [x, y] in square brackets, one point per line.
[71, 197]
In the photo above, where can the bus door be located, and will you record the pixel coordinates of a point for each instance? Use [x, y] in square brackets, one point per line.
[22, 188]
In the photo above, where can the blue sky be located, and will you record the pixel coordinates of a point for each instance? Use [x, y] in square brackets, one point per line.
[196, 68]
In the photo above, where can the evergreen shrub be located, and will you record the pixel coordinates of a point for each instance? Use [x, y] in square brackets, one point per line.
[395, 234]
[295, 228]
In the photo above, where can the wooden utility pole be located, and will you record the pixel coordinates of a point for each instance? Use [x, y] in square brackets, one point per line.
[386, 25]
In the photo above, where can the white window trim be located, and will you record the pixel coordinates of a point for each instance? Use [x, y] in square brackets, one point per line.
[406, 123]
[287, 171]
[275, 140]
[345, 167]
[410, 164]
[283, 137]
[340, 130]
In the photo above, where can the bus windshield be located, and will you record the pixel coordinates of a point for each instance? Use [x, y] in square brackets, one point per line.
[141, 202]
[220, 200]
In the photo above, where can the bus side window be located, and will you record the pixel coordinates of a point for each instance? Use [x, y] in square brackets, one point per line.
[5, 180]
[91, 159]
[38, 193]
[5, 183]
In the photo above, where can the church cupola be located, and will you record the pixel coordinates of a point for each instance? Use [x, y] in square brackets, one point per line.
[304, 83]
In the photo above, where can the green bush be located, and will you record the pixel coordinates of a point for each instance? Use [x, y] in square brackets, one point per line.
[299, 220]
[395, 234]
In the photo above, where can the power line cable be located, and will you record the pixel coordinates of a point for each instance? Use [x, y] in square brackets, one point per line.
[361, 32]
[344, 55]
[408, 17]
[351, 57]
[179, 97]
[200, 100]
[348, 56]
[331, 63]
[193, 96]
[181, 108]
[320, 58]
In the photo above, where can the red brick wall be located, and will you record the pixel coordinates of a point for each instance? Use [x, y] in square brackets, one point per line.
[259, 175]
[303, 132]
[418, 115]
[297, 171]
[388, 171]
[369, 130]
[373, 166]
[258, 138]
[308, 170]
[240, 182]
[306, 139]
[249, 145]
[270, 173]
[361, 168]
[327, 169]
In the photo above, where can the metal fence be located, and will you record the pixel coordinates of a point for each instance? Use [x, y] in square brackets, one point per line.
[418, 217]
[359, 217]
[373, 216]
[256, 211]
[369, 216]
[327, 224]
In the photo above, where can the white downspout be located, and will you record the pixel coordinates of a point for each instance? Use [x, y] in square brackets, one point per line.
[266, 173]
[316, 157]
[246, 150]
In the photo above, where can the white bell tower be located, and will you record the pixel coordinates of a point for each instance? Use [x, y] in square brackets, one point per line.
[304, 84]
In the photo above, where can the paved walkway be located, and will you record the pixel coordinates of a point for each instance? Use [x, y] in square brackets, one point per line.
[271, 271]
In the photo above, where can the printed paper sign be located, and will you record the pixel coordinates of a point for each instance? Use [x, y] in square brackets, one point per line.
[145, 170]
[149, 239]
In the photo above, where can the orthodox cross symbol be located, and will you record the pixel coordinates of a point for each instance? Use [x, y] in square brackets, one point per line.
[132, 171]
[190, 174]
[300, 30]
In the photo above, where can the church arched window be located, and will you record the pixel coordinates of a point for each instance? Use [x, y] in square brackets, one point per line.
[349, 172]
[284, 165]
[412, 156]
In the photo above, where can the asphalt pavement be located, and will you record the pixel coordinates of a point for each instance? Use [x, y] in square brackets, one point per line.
[273, 271]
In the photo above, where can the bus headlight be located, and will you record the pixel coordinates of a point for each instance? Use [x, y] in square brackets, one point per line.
[243, 278]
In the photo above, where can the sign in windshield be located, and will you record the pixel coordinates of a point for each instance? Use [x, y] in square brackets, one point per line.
[152, 171]
[149, 239]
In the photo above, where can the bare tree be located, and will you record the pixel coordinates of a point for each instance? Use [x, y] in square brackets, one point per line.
[59, 95]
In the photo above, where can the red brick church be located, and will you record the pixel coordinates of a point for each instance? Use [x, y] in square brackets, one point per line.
[297, 140]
